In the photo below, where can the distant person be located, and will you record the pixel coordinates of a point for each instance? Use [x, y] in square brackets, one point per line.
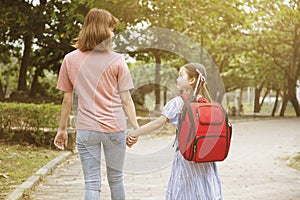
[102, 81]
[189, 180]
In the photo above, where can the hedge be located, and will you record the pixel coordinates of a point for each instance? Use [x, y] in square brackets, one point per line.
[28, 122]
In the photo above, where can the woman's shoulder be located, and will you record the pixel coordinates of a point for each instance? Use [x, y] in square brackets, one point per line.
[113, 54]
[104, 54]
[74, 53]
[116, 59]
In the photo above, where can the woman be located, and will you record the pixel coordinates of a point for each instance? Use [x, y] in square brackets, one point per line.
[189, 180]
[102, 82]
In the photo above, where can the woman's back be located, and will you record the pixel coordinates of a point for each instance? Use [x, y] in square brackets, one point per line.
[97, 78]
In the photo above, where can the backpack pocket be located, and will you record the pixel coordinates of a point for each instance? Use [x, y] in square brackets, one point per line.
[210, 149]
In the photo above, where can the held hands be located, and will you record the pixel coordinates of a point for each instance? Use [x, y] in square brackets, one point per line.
[61, 139]
[131, 140]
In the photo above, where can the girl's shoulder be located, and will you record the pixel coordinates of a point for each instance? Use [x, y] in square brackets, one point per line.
[173, 109]
[177, 102]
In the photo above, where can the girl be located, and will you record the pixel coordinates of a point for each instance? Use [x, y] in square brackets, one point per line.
[189, 180]
[102, 81]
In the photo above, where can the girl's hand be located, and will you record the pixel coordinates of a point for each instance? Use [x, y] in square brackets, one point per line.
[131, 140]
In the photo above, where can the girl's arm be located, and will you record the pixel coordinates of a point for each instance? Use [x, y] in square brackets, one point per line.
[150, 127]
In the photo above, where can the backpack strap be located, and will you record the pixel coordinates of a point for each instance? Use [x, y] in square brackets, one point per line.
[185, 108]
[184, 98]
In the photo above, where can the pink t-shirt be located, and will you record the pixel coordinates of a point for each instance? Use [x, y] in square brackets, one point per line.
[97, 77]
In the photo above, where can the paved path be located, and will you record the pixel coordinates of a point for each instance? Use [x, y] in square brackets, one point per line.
[255, 168]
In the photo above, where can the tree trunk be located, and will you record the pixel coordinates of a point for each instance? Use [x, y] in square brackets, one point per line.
[2, 95]
[292, 97]
[276, 103]
[256, 100]
[295, 104]
[157, 79]
[165, 95]
[215, 82]
[263, 99]
[294, 70]
[256, 97]
[35, 82]
[24, 64]
[284, 104]
[239, 107]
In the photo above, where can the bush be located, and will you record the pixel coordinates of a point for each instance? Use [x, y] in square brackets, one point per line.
[32, 123]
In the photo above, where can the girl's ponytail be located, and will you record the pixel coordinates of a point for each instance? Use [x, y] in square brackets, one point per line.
[204, 91]
[198, 71]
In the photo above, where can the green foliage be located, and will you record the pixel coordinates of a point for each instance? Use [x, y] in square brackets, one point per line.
[34, 123]
[48, 83]
[143, 73]
[251, 42]
[129, 12]
[48, 27]
[8, 76]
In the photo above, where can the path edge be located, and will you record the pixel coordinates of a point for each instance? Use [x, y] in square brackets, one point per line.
[35, 179]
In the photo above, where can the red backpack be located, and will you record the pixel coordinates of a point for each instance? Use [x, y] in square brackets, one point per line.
[204, 132]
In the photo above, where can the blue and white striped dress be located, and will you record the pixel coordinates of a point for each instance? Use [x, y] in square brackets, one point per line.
[190, 180]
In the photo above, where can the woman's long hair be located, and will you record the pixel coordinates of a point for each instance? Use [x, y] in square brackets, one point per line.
[193, 70]
[96, 31]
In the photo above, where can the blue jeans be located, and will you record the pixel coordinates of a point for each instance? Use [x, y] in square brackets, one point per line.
[89, 148]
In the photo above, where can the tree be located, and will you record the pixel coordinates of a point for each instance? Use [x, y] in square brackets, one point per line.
[257, 55]
[44, 31]
[278, 36]
[193, 19]
[17, 17]
[56, 39]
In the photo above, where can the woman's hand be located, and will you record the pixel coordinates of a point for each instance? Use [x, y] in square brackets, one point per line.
[61, 139]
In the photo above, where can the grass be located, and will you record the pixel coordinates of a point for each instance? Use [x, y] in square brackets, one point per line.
[294, 162]
[19, 162]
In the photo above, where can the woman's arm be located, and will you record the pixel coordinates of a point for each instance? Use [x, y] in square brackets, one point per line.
[61, 137]
[129, 108]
